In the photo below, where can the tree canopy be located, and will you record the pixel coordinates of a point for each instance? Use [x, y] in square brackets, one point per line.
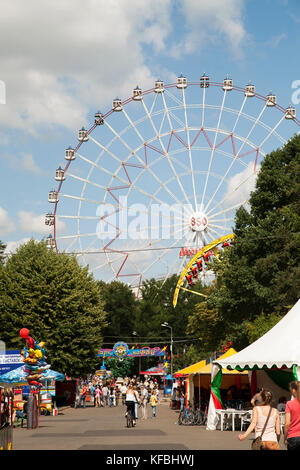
[58, 301]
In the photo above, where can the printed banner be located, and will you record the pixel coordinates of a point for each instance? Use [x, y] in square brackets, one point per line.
[122, 350]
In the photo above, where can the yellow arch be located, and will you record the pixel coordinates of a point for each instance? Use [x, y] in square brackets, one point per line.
[198, 255]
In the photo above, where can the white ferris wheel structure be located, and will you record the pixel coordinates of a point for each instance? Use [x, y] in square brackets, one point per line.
[165, 169]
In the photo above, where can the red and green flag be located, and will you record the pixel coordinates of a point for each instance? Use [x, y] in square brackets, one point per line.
[215, 390]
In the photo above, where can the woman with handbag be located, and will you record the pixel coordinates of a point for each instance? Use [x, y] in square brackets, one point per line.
[266, 422]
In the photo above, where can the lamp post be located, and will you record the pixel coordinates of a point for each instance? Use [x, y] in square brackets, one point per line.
[134, 333]
[166, 325]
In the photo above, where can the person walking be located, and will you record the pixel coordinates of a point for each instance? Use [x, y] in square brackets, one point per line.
[292, 419]
[105, 394]
[137, 401]
[265, 416]
[112, 397]
[181, 401]
[83, 395]
[92, 393]
[97, 397]
[143, 401]
[153, 401]
[130, 402]
[123, 393]
[117, 392]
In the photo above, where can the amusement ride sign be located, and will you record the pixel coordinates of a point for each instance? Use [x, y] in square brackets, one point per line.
[121, 350]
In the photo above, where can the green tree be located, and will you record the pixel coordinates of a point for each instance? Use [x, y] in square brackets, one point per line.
[120, 304]
[58, 301]
[120, 369]
[2, 248]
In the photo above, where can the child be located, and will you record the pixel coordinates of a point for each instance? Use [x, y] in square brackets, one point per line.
[153, 401]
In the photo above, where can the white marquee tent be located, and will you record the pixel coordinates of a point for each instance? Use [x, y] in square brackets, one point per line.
[279, 347]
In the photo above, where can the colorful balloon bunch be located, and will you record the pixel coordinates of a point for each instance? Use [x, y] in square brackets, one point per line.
[35, 361]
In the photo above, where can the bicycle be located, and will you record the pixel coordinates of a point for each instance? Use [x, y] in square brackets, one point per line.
[186, 416]
[129, 419]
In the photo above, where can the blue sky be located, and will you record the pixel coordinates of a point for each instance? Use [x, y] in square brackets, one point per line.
[60, 63]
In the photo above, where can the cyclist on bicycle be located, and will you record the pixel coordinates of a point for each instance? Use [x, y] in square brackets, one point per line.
[130, 403]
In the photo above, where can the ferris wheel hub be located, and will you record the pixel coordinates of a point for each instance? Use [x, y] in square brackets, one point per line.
[198, 221]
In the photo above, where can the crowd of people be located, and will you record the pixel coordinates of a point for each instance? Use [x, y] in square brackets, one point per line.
[135, 393]
[139, 395]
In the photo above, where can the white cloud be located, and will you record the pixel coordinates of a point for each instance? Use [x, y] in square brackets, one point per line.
[69, 56]
[240, 185]
[30, 165]
[11, 247]
[35, 223]
[212, 21]
[6, 224]
[23, 162]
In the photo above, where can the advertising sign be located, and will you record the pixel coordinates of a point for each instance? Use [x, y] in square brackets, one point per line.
[10, 360]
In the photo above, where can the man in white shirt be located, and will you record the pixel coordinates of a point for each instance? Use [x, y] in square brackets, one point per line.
[105, 395]
[123, 393]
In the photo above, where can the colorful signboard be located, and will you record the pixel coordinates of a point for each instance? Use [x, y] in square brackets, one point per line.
[10, 360]
[121, 350]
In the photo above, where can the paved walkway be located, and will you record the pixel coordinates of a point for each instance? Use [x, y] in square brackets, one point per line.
[104, 429]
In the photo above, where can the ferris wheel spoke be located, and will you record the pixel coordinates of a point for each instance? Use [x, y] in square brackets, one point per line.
[153, 103]
[213, 231]
[211, 238]
[213, 149]
[239, 114]
[167, 113]
[170, 271]
[82, 235]
[143, 141]
[105, 149]
[133, 126]
[234, 160]
[79, 178]
[232, 192]
[203, 107]
[118, 136]
[167, 156]
[224, 221]
[271, 132]
[251, 130]
[173, 97]
[104, 170]
[231, 208]
[82, 199]
[216, 226]
[163, 254]
[100, 266]
[189, 149]
[153, 174]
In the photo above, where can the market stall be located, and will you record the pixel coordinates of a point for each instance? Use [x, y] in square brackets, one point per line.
[234, 387]
[274, 361]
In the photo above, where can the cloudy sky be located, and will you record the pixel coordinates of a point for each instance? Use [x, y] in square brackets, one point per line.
[61, 61]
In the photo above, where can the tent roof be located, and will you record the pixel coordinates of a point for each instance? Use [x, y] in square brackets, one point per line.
[207, 369]
[18, 375]
[190, 369]
[202, 368]
[279, 347]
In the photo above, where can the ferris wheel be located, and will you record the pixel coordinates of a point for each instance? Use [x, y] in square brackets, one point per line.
[161, 174]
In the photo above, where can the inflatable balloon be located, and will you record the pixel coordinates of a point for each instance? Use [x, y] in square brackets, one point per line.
[35, 361]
